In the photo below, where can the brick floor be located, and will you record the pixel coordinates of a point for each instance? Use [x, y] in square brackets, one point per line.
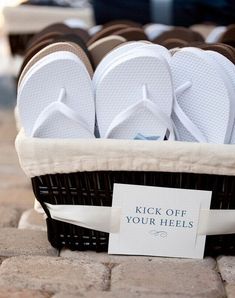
[53, 274]
[9, 217]
[31, 220]
[14, 242]
[23, 293]
[226, 266]
[167, 277]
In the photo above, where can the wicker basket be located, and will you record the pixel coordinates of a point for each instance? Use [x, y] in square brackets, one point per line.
[95, 188]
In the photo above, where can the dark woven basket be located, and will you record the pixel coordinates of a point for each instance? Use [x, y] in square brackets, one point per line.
[18, 43]
[95, 188]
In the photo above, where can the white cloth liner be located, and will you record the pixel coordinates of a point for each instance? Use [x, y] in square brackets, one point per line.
[50, 156]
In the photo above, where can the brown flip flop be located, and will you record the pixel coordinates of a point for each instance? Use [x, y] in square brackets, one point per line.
[132, 34]
[197, 37]
[82, 33]
[179, 33]
[32, 52]
[224, 49]
[74, 38]
[196, 44]
[229, 36]
[103, 46]
[55, 39]
[106, 32]
[57, 27]
[203, 29]
[125, 22]
[172, 43]
[49, 35]
[61, 46]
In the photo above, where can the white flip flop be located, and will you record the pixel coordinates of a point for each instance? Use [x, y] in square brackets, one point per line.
[229, 71]
[56, 98]
[134, 97]
[76, 23]
[215, 34]
[203, 98]
[125, 50]
[114, 54]
[100, 48]
[155, 30]
[95, 29]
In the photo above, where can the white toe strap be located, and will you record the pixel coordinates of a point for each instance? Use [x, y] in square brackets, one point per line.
[184, 119]
[144, 103]
[63, 109]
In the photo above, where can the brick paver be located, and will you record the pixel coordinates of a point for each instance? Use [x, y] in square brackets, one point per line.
[14, 242]
[9, 217]
[230, 291]
[226, 266]
[15, 188]
[32, 220]
[23, 293]
[168, 277]
[110, 294]
[7, 126]
[105, 258]
[21, 198]
[141, 276]
[53, 274]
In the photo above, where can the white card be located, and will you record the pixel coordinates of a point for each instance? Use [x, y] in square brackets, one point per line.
[158, 221]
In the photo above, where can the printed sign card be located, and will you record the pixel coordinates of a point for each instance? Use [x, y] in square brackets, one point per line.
[158, 221]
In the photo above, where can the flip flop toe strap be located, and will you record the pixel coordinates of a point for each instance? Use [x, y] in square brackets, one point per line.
[184, 119]
[61, 108]
[144, 103]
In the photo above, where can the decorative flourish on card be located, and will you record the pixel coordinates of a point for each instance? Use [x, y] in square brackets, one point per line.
[156, 233]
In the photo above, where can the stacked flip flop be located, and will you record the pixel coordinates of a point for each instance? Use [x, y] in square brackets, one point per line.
[222, 34]
[172, 37]
[112, 82]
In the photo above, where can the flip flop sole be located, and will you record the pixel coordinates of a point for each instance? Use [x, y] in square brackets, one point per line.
[103, 46]
[56, 47]
[42, 86]
[122, 86]
[207, 102]
[229, 70]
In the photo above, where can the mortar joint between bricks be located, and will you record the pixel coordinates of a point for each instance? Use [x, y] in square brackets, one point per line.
[221, 278]
[109, 266]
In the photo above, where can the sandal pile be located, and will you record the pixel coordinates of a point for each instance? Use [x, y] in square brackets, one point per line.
[118, 84]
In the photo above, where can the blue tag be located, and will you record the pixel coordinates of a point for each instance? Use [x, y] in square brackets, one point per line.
[139, 136]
